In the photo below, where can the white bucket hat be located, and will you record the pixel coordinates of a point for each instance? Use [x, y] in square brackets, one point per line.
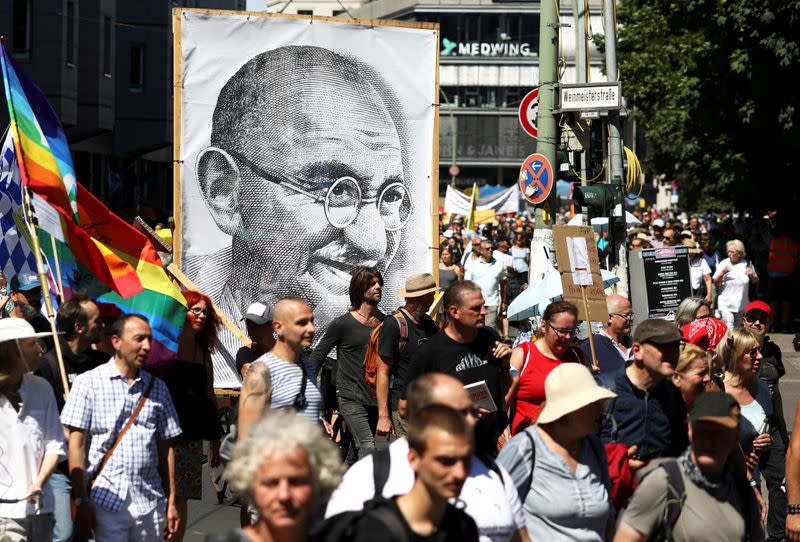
[17, 328]
[567, 388]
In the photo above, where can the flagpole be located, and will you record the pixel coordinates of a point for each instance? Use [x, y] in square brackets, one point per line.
[26, 211]
[58, 268]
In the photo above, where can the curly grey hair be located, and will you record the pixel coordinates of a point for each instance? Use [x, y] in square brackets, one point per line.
[283, 430]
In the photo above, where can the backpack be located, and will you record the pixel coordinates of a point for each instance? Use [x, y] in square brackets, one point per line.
[373, 358]
[676, 494]
[343, 527]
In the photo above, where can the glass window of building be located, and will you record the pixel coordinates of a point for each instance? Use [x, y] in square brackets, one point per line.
[507, 35]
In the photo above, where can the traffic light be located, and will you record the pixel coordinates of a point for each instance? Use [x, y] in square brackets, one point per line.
[599, 198]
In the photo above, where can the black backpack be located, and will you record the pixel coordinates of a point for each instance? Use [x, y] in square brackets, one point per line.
[344, 527]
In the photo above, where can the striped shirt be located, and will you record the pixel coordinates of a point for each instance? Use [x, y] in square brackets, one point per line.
[100, 402]
[286, 379]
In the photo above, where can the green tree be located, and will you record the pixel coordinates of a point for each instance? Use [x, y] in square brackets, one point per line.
[714, 83]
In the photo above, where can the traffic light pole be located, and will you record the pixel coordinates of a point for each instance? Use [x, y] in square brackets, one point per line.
[616, 223]
[542, 252]
[581, 76]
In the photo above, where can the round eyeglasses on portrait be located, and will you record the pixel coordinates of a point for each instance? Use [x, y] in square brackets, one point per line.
[343, 199]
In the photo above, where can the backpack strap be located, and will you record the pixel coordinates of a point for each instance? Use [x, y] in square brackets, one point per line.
[526, 487]
[394, 524]
[381, 465]
[402, 323]
[676, 494]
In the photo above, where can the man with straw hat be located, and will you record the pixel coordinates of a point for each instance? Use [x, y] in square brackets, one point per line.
[399, 338]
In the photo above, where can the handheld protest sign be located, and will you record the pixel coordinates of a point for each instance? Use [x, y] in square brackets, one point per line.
[575, 246]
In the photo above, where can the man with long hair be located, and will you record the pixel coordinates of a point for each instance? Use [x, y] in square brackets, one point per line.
[349, 334]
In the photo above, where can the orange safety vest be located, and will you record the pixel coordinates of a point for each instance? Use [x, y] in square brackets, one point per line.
[784, 253]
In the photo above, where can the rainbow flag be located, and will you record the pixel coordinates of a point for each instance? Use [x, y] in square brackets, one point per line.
[46, 168]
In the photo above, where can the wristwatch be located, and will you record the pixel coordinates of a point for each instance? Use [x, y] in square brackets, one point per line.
[793, 508]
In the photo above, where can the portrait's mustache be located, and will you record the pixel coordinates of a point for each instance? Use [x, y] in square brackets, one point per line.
[338, 252]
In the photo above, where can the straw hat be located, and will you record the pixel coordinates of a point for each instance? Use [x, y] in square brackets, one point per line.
[12, 329]
[692, 246]
[418, 285]
[567, 388]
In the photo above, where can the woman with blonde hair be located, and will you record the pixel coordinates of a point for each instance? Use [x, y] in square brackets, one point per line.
[740, 355]
[286, 467]
[33, 439]
[733, 278]
[692, 374]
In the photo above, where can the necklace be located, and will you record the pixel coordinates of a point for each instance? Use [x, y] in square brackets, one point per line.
[367, 319]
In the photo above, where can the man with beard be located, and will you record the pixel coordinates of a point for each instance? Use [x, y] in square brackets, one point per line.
[79, 320]
[471, 352]
[349, 334]
[310, 188]
[613, 343]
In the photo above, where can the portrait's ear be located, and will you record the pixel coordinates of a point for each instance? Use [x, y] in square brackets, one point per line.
[219, 178]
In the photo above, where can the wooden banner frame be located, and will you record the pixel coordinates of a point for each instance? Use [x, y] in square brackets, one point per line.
[177, 71]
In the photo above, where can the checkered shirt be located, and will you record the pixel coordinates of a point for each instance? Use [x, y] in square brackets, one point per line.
[100, 402]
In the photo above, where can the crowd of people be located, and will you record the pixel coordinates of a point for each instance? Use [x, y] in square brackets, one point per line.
[428, 423]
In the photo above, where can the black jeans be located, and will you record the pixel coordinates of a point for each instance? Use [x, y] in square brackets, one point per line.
[773, 469]
[361, 421]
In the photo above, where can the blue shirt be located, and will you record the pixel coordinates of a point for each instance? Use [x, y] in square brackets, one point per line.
[609, 359]
[100, 403]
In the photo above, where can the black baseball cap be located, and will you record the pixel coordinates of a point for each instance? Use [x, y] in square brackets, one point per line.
[656, 331]
[717, 407]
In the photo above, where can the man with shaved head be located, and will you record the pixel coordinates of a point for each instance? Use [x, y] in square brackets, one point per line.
[613, 343]
[306, 172]
[489, 496]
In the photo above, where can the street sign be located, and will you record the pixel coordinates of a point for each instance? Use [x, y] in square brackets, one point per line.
[454, 170]
[536, 178]
[528, 109]
[590, 97]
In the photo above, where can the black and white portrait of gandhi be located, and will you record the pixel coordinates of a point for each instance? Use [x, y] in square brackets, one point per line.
[307, 172]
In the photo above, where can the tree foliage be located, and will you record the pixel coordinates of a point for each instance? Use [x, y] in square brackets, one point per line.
[716, 86]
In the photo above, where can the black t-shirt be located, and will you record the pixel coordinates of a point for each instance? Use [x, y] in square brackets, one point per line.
[469, 363]
[455, 526]
[350, 337]
[245, 355]
[389, 348]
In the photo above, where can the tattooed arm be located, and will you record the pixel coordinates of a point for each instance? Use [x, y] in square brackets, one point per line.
[254, 398]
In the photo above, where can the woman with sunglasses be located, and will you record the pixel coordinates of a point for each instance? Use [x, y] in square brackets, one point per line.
[534, 361]
[740, 354]
[190, 379]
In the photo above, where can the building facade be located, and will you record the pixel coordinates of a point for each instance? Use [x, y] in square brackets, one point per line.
[489, 61]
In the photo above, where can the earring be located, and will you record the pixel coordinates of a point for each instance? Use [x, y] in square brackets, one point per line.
[275, 335]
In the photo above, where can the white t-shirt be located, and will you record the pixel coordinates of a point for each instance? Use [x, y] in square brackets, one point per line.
[733, 291]
[27, 436]
[519, 254]
[698, 269]
[493, 503]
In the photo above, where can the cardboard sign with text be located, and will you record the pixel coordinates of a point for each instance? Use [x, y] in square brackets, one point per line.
[575, 251]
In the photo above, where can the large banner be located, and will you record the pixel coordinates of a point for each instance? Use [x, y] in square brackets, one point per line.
[304, 149]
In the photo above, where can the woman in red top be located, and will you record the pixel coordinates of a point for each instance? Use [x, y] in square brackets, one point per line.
[535, 360]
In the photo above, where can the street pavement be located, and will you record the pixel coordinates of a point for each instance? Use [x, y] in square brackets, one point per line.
[207, 517]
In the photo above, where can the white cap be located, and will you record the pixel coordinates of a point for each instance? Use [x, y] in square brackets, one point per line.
[658, 223]
[259, 313]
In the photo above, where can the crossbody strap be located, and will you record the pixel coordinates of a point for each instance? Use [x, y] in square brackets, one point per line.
[121, 434]
[300, 403]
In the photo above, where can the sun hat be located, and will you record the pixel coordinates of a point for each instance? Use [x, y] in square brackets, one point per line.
[567, 388]
[18, 328]
[656, 331]
[705, 332]
[259, 313]
[717, 407]
[658, 223]
[692, 246]
[418, 285]
[448, 233]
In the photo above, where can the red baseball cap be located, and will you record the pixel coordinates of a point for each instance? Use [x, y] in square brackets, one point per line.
[705, 332]
[758, 306]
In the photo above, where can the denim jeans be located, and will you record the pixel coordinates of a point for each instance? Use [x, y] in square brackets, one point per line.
[361, 421]
[61, 486]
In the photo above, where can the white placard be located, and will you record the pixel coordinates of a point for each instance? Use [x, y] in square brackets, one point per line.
[579, 261]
